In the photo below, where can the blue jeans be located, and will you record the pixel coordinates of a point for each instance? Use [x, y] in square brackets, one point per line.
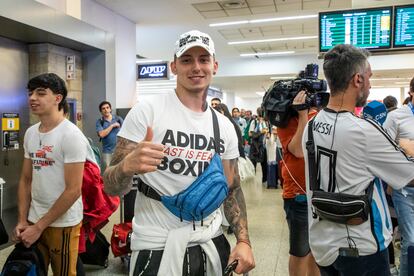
[404, 207]
[371, 265]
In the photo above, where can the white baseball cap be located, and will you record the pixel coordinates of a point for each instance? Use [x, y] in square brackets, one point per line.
[192, 39]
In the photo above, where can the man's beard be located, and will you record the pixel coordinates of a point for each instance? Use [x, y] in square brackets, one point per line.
[362, 99]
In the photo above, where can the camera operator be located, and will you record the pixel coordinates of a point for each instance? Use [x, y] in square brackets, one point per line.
[352, 155]
[301, 261]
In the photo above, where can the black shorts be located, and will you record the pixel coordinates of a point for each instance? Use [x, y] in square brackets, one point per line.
[297, 219]
[194, 263]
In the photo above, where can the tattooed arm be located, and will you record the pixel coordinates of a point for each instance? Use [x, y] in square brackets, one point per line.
[235, 211]
[234, 205]
[116, 181]
[130, 158]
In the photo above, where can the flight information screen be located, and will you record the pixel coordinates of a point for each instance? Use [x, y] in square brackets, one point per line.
[404, 26]
[368, 28]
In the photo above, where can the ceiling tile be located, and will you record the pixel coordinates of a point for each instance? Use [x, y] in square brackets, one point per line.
[252, 33]
[209, 6]
[259, 3]
[318, 5]
[287, 1]
[239, 12]
[278, 47]
[233, 37]
[263, 9]
[289, 7]
[310, 43]
[340, 4]
[229, 31]
[292, 29]
[213, 14]
[272, 34]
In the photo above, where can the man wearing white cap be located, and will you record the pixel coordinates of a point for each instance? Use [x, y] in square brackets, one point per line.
[186, 156]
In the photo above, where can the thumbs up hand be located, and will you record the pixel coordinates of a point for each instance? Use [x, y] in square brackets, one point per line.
[145, 157]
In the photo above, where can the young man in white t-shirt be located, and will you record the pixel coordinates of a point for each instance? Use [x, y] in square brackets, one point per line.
[400, 126]
[351, 153]
[49, 194]
[168, 140]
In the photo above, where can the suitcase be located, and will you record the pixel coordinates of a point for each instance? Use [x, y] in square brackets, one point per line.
[96, 252]
[121, 233]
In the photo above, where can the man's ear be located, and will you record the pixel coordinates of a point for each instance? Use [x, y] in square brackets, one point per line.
[215, 67]
[173, 67]
[59, 98]
[357, 80]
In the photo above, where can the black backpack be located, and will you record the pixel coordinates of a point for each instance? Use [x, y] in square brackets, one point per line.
[24, 261]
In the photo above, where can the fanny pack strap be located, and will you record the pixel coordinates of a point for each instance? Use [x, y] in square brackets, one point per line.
[150, 192]
[310, 147]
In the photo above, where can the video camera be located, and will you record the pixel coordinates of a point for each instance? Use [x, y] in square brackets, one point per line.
[277, 102]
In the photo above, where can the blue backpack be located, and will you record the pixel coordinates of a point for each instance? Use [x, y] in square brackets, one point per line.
[24, 261]
[203, 196]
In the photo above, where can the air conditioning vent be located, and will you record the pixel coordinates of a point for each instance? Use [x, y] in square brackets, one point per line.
[233, 4]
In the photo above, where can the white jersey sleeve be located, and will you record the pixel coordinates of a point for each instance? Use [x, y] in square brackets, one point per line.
[386, 160]
[390, 125]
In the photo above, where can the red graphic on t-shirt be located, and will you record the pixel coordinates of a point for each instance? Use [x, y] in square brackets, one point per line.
[40, 158]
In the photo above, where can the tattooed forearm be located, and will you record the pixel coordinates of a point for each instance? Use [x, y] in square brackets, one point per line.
[115, 181]
[235, 205]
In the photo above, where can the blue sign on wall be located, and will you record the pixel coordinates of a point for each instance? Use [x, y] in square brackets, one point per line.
[153, 71]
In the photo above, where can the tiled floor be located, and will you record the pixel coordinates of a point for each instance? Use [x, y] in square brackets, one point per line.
[267, 227]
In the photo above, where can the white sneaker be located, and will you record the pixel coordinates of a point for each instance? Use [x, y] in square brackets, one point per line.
[394, 271]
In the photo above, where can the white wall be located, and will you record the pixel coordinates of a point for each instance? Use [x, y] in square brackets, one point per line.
[121, 92]
[125, 56]
[248, 103]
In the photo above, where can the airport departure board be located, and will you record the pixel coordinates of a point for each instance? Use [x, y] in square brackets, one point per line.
[368, 28]
[404, 26]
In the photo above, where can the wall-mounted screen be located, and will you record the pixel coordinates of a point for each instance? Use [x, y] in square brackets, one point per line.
[152, 71]
[404, 26]
[364, 28]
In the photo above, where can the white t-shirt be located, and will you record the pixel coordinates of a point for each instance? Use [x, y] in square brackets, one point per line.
[361, 152]
[188, 137]
[400, 123]
[48, 153]
[271, 148]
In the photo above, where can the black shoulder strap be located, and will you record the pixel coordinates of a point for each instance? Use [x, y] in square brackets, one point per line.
[216, 130]
[310, 147]
[102, 121]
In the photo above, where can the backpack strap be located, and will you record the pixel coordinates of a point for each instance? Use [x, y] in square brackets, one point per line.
[216, 130]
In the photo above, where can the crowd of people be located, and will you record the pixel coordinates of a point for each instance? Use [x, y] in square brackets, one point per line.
[186, 155]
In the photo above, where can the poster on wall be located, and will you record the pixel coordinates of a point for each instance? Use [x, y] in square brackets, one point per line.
[10, 126]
